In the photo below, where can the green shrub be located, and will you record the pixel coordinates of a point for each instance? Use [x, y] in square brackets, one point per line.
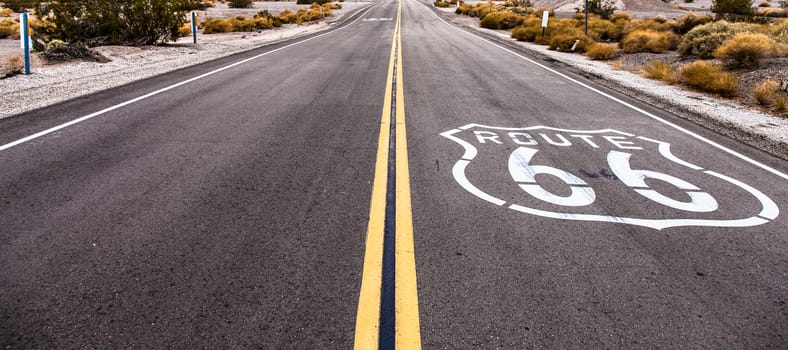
[660, 70]
[240, 4]
[129, 22]
[689, 21]
[600, 51]
[710, 78]
[747, 49]
[603, 8]
[19, 6]
[733, 10]
[648, 41]
[703, 40]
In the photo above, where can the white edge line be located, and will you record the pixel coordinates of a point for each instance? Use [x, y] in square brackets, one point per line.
[639, 110]
[165, 89]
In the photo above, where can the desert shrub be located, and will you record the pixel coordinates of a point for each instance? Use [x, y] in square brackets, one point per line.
[703, 40]
[286, 16]
[4, 12]
[660, 70]
[708, 77]
[11, 65]
[441, 3]
[9, 28]
[601, 51]
[530, 30]
[605, 30]
[620, 17]
[336, 6]
[185, 30]
[648, 41]
[217, 25]
[603, 8]
[19, 6]
[654, 25]
[565, 40]
[478, 10]
[764, 4]
[768, 12]
[766, 92]
[306, 2]
[733, 10]
[501, 20]
[689, 21]
[781, 103]
[747, 49]
[241, 4]
[116, 21]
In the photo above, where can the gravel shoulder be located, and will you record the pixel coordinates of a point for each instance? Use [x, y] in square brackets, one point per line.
[51, 84]
[762, 130]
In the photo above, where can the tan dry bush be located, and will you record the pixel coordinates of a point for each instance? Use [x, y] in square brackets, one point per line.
[660, 70]
[649, 41]
[691, 20]
[620, 17]
[566, 40]
[770, 12]
[11, 65]
[287, 16]
[9, 29]
[605, 30]
[703, 40]
[764, 4]
[781, 103]
[766, 92]
[530, 30]
[707, 77]
[601, 51]
[4, 12]
[185, 30]
[502, 20]
[747, 49]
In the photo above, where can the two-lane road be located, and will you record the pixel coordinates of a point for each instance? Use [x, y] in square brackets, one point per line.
[279, 198]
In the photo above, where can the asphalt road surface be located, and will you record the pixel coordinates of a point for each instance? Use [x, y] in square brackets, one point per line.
[395, 182]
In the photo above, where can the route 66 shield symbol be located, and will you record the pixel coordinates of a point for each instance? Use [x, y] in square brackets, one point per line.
[615, 177]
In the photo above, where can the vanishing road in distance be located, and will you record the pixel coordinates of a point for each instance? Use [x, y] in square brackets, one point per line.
[394, 183]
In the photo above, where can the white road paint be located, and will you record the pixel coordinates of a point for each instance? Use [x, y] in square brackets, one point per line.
[376, 19]
[168, 88]
[524, 173]
[639, 110]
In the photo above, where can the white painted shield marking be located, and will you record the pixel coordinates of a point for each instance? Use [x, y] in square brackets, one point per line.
[524, 173]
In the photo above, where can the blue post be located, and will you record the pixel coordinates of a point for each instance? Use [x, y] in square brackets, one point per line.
[24, 36]
[194, 27]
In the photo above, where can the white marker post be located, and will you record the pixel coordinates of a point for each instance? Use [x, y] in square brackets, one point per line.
[24, 36]
[545, 16]
[194, 27]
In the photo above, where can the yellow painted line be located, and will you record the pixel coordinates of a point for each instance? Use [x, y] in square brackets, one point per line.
[407, 334]
[368, 314]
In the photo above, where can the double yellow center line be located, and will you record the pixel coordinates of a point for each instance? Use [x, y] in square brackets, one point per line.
[406, 309]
